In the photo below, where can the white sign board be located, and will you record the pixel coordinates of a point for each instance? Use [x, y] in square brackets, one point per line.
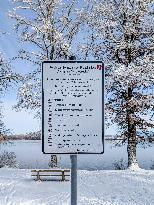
[72, 107]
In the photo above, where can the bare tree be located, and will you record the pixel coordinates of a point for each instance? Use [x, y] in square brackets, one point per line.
[49, 28]
[123, 37]
[7, 78]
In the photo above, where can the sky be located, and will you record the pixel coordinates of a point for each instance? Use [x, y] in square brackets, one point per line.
[23, 121]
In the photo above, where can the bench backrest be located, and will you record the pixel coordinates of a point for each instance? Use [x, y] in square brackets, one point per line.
[51, 170]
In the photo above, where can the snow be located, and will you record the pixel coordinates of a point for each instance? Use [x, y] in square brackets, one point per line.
[105, 187]
[134, 167]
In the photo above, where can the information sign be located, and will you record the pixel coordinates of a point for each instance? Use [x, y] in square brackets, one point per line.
[72, 107]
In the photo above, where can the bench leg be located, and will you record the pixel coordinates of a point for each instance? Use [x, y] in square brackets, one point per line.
[63, 176]
[38, 176]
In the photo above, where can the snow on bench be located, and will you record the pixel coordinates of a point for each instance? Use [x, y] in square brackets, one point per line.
[44, 174]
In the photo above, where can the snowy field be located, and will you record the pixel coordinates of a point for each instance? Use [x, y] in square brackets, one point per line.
[94, 188]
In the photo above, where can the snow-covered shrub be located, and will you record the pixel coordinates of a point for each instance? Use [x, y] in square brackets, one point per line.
[120, 164]
[8, 159]
[152, 166]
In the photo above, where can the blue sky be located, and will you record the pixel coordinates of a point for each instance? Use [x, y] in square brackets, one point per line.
[17, 122]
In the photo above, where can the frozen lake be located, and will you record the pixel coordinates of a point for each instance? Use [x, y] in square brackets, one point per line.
[29, 155]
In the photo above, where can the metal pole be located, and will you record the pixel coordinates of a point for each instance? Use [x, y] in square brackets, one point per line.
[73, 179]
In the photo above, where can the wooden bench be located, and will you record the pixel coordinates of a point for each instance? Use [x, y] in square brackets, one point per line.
[62, 173]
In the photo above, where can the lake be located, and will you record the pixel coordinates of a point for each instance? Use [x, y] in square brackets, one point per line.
[29, 155]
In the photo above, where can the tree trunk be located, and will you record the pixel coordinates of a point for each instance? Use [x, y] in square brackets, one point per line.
[132, 140]
[131, 147]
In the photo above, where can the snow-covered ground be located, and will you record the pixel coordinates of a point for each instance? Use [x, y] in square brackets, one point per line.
[94, 188]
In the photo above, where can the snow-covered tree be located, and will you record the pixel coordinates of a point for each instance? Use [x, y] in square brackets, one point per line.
[3, 129]
[123, 39]
[47, 29]
[7, 77]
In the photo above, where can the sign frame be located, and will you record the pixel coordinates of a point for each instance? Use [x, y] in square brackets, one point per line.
[103, 110]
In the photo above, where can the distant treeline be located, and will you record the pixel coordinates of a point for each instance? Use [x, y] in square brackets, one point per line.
[37, 136]
[140, 139]
[33, 136]
[28, 136]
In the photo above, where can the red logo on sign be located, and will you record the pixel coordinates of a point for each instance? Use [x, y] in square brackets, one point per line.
[99, 67]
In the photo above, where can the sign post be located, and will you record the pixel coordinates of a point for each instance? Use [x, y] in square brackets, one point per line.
[73, 179]
[73, 111]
